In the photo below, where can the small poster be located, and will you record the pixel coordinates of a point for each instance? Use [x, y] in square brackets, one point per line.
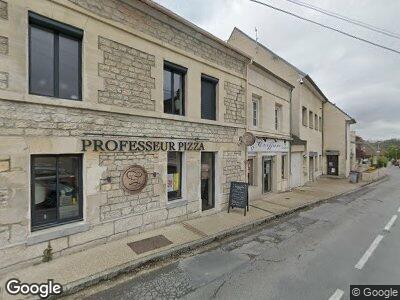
[176, 182]
[170, 182]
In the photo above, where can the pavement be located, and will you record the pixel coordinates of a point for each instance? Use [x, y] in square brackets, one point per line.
[83, 269]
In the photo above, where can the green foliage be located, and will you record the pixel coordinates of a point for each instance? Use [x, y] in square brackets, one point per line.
[382, 161]
[392, 152]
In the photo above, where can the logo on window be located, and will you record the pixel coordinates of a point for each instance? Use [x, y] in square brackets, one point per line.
[134, 179]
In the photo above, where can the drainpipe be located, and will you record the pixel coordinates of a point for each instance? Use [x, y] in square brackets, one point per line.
[323, 137]
[290, 142]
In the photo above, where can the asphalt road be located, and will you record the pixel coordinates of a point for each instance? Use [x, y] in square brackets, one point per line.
[313, 254]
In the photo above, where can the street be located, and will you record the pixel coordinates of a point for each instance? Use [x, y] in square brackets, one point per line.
[312, 254]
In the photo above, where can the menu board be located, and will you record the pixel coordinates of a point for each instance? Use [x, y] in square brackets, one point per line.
[239, 196]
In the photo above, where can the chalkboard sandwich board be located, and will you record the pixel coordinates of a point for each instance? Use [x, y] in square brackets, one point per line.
[239, 196]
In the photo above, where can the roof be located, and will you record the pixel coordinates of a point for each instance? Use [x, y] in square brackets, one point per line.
[182, 20]
[305, 75]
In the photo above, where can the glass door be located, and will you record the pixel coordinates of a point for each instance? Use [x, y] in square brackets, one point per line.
[207, 180]
[267, 174]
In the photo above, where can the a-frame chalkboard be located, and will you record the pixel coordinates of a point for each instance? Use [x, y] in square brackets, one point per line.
[239, 196]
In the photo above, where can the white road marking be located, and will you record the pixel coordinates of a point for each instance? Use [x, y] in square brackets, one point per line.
[390, 223]
[337, 295]
[369, 252]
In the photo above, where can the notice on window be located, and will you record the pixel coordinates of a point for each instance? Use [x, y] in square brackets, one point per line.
[173, 182]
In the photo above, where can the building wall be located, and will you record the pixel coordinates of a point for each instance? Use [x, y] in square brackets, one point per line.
[303, 94]
[124, 47]
[337, 137]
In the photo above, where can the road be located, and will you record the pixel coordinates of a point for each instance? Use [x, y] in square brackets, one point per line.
[313, 254]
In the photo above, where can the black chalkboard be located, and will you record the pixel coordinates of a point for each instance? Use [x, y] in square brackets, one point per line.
[239, 196]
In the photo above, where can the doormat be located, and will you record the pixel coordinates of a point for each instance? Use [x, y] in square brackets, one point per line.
[149, 244]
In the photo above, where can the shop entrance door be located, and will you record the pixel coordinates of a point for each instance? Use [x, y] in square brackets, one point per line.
[333, 164]
[267, 174]
[207, 180]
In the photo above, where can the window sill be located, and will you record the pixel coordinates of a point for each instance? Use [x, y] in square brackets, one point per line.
[56, 232]
[176, 203]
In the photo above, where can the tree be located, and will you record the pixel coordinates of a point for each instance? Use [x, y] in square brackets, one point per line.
[392, 152]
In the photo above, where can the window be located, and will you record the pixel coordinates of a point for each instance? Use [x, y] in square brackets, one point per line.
[304, 116]
[310, 119]
[250, 171]
[174, 176]
[278, 113]
[56, 187]
[55, 58]
[208, 97]
[320, 124]
[255, 112]
[284, 167]
[174, 89]
[316, 163]
[207, 184]
[316, 122]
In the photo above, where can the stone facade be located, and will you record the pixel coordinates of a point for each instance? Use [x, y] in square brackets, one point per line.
[235, 103]
[3, 10]
[19, 119]
[122, 98]
[175, 34]
[3, 80]
[127, 76]
[232, 168]
[3, 45]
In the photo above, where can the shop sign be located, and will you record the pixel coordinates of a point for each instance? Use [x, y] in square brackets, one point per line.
[134, 179]
[269, 145]
[139, 145]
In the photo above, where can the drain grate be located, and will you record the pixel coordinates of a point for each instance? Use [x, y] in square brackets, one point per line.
[149, 244]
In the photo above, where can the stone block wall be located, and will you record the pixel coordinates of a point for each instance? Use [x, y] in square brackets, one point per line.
[232, 168]
[3, 10]
[235, 103]
[127, 76]
[3, 45]
[23, 119]
[171, 32]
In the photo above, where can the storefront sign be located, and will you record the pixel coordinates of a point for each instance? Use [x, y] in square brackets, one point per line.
[269, 145]
[139, 146]
[134, 179]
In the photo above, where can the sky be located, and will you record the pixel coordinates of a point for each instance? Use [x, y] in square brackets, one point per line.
[361, 79]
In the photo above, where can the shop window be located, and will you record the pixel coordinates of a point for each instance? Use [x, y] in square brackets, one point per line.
[208, 97]
[174, 176]
[316, 161]
[304, 116]
[284, 165]
[278, 116]
[55, 58]
[255, 111]
[250, 171]
[320, 124]
[320, 162]
[174, 89]
[316, 122]
[207, 185]
[310, 119]
[56, 187]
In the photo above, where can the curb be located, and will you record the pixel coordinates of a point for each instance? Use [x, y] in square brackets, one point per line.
[78, 285]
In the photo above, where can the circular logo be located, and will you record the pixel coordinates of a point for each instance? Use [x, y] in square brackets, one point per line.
[248, 139]
[134, 179]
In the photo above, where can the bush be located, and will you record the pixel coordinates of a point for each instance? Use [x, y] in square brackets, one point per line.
[382, 162]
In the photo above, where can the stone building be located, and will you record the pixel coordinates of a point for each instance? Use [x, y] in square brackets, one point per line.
[310, 109]
[268, 119]
[116, 117]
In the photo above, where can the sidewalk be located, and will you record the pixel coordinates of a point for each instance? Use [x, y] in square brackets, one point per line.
[79, 270]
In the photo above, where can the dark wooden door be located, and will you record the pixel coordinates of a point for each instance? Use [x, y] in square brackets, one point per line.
[333, 165]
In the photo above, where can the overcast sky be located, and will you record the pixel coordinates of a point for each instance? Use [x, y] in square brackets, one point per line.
[360, 78]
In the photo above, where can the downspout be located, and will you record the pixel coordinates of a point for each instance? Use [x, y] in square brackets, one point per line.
[323, 138]
[290, 142]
